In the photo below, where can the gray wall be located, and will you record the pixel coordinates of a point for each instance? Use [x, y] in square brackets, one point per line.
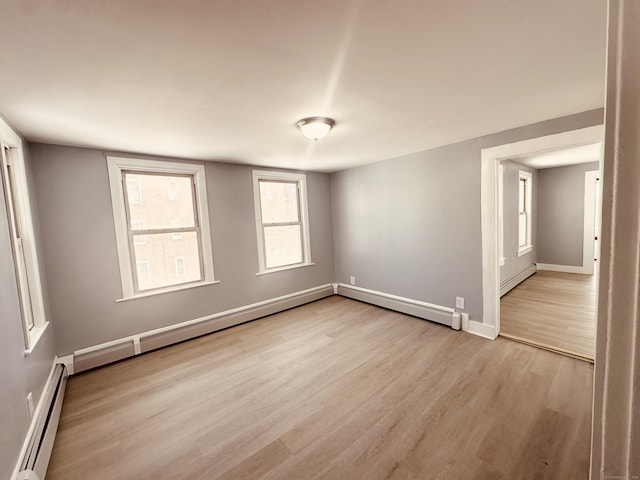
[72, 188]
[561, 214]
[410, 226]
[513, 265]
[19, 375]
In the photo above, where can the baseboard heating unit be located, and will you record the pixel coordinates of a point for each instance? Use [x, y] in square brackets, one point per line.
[517, 279]
[41, 437]
[428, 311]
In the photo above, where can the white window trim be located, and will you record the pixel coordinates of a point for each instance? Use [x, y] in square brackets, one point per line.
[115, 166]
[9, 139]
[301, 179]
[524, 175]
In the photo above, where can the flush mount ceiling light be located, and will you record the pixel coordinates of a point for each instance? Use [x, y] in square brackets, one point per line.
[315, 128]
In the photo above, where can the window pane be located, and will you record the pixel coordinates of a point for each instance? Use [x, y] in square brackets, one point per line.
[181, 268]
[522, 195]
[522, 230]
[134, 190]
[156, 208]
[174, 193]
[279, 202]
[283, 245]
[170, 261]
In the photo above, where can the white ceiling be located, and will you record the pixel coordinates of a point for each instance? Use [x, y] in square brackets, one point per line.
[566, 156]
[227, 80]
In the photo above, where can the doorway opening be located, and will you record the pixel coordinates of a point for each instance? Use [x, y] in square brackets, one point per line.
[491, 229]
[547, 280]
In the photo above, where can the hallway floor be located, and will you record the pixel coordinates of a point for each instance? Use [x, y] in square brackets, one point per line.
[553, 310]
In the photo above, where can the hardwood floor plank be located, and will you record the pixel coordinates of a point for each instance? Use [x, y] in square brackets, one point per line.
[336, 389]
[546, 444]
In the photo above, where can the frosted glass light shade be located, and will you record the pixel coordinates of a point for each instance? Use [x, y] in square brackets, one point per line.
[315, 128]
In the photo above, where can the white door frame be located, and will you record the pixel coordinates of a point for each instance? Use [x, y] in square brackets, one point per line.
[589, 230]
[490, 157]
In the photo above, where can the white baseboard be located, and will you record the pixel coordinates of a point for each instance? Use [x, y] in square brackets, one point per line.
[562, 268]
[119, 349]
[97, 355]
[517, 279]
[481, 329]
[428, 311]
[37, 417]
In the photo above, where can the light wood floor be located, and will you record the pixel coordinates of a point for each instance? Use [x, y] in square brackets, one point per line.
[552, 309]
[335, 389]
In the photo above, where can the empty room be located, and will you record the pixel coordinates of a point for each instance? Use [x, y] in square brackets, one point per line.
[272, 240]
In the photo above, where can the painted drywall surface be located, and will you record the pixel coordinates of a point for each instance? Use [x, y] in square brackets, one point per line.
[73, 196]
[410, 226]
[513, 264]
[561, 214]
[19, 375]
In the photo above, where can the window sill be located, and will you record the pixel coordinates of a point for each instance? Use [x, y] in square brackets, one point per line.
[287, 267]
[34, 337]
[177, 288]
[525, 250]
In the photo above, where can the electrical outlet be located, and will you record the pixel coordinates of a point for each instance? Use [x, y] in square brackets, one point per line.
[459, 302]
[352, 280]
[30, 406]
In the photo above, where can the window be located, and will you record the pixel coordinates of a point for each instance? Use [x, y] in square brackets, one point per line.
[524, 212]
[18, 210]
[281, 220]
[154, 231]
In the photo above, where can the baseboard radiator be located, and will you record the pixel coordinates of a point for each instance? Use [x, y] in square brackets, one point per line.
[517, 279]
[34, 463]
[435, 313]
[143, 342]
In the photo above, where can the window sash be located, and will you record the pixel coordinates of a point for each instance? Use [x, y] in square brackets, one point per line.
[197, 172]
[20, 262]
[24, 290]
[301, 220]
[523, 234]
[522, 203]
[266, 224]
[524, 211]
[23, 246]
[298, 203]
[265, 245]
[175, 231]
